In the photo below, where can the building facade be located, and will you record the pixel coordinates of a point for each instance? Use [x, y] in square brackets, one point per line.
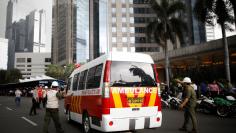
[32, 64]
[35, 37]
[8, 35]
[3, 53]
[64, 32]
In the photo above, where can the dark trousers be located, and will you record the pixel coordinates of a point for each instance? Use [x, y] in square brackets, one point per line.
[189, 113]
[54, 114]
[33, 108]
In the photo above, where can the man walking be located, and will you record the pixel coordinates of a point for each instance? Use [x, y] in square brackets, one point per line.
[52, 108]
[34, 102]
[189, 103]
[18, 97]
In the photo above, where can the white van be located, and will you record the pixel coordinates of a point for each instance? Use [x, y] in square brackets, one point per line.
[115, 92]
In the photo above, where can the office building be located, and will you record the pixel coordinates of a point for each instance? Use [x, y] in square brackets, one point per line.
[3, 53]
[64, 32]
[32, 64]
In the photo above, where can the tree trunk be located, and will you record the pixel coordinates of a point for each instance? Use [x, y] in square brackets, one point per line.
[167, 64]
[226, 53]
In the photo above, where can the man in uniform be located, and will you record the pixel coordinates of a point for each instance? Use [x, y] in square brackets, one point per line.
[52, 107]
[189, 103]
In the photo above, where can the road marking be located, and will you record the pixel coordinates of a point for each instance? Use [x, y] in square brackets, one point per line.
[9, 109]
[31, 122]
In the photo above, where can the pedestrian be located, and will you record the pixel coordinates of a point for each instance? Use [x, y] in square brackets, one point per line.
[188, 104]
[18, 94]
[52, 107]
[34, 102]
[214, 89]
[44, 96]
[40, 95]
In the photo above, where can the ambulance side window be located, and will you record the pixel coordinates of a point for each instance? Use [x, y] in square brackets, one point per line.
[75, 82]
[82, 80]
[68, 85]
[97, 76]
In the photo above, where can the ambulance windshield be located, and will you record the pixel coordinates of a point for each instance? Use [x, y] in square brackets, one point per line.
[132, 74]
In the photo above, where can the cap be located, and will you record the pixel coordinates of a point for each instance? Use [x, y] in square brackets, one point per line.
[187, 80]
[55, 84]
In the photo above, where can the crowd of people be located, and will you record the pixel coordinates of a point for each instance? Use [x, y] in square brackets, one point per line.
[49, 98]
[204, 88]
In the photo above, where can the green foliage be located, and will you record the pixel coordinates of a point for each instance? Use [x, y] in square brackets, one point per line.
[60, 72]
[221, 10]
[10, 76]
[167, 24]
[55, 71]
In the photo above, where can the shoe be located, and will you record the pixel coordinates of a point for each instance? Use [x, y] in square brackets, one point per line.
[193, 131]
[182, 129]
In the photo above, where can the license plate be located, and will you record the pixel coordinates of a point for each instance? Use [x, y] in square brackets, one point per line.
[132, 100]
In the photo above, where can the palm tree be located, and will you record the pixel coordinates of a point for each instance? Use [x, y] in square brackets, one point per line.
[166, 26]
[209, 10]
[233, 2]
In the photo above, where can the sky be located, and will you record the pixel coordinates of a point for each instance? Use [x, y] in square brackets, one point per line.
[22, 8]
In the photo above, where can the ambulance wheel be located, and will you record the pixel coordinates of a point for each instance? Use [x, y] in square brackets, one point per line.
[86, 123]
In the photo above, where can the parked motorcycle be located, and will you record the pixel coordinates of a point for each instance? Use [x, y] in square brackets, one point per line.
[206, 105]
[225, 106]
[169, 101]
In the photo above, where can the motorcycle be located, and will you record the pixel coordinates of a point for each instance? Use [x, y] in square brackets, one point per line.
[168, 101]
[225, 106]
[206, 105]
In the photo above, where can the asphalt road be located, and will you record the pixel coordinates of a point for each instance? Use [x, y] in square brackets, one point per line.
[17, 120]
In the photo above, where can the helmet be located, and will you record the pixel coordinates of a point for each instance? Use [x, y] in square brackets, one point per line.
[55, 84]
[46, 87]
[187, 80]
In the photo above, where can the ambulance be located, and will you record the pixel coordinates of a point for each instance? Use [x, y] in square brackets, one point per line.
[118, 91]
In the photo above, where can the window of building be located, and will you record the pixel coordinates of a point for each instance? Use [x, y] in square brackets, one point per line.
[113, 29]
[131, 10]
[131, 20]
[131, 29]
[28, 65]
[20, 65]
[113, 1]
[113, 39]
[124, 39]
[47, 59]
[123, 1]
[113, 19]
[28, 60]
[124, 29]
[28, 69]
[113, 10]
[20, 60]
[132, 39]
[123, 10]
[124, 20]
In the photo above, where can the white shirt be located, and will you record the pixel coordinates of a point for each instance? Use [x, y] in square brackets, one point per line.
[18, 93]
[194, 86]
[52, 100]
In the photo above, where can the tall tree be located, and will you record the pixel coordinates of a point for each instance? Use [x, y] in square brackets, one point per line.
[55, 71]
[233, 2]
[221, 10]
[166, 26]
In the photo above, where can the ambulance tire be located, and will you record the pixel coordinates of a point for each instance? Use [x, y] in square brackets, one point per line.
[86, 123]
